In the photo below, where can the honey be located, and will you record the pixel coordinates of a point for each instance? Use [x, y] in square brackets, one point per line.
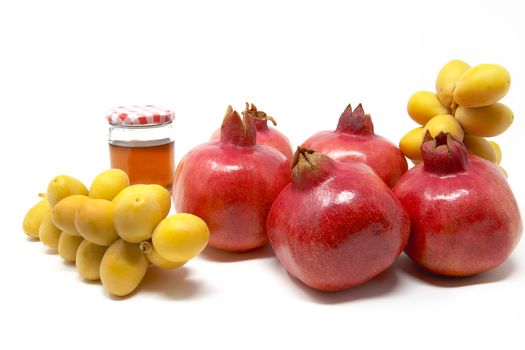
[145, 164]
[141, 143]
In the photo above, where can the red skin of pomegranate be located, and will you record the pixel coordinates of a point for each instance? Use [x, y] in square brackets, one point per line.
[336, 225]
[465, 219]
[231, 185]
[266, 135]
[354, 140]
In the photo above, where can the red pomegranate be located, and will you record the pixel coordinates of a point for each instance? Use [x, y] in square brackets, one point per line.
[464, 217]
[231, 184]
[265, 135]
[354, 140]
[337, 224]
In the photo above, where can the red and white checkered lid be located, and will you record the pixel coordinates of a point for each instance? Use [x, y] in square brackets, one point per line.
[139, 115]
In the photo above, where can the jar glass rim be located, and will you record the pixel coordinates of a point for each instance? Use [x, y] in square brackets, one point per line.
[138, 126]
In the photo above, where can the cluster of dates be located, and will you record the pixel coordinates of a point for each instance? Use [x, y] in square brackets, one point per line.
[114, 231]
[465, 104]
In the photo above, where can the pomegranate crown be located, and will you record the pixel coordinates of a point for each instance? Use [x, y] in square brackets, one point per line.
[300, 154]
[252, 112]
[443, 153]
[355, 122]
[236, 130]
[309, 167]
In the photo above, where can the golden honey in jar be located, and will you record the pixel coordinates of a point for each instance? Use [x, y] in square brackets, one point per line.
[141, 143]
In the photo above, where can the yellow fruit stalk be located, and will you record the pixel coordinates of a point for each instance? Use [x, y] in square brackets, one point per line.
[157, 260]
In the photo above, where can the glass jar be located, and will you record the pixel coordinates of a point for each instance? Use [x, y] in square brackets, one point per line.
[141, 142]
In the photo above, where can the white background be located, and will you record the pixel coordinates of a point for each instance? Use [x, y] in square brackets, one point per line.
[64, 63]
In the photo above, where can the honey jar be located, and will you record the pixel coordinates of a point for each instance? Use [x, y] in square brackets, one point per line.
[141, 143]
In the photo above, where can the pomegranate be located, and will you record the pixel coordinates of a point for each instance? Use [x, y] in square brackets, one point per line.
[265, 135]
[231, 184]
[337, 224]
[354, 140]
[464, 217]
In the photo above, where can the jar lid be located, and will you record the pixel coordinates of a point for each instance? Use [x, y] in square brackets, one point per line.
[139, 115]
